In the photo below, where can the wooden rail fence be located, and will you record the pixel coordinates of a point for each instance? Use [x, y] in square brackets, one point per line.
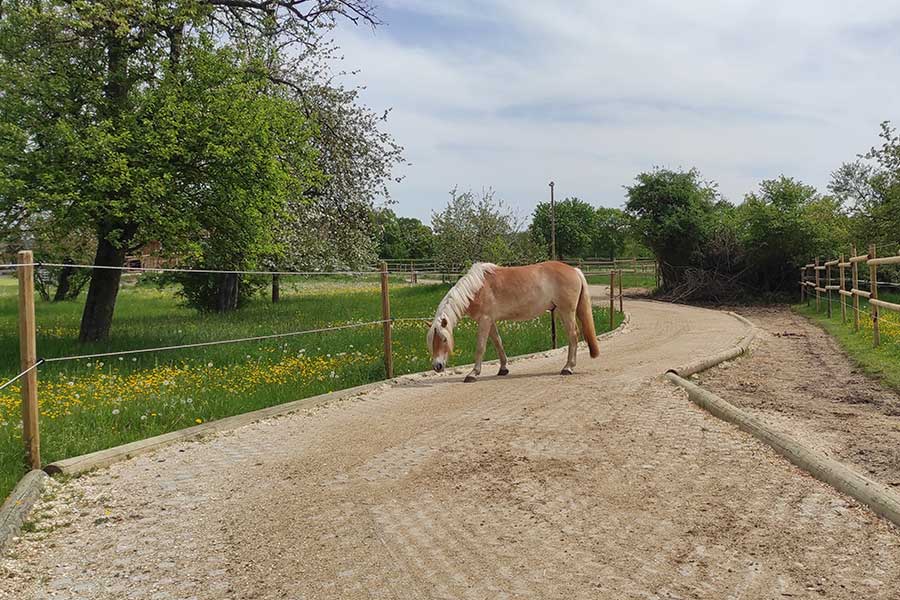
[29, 361]
[811, 284]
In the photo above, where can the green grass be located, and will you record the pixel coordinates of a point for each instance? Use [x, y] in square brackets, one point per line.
[629, 280]
[882, 362]
[89, 405]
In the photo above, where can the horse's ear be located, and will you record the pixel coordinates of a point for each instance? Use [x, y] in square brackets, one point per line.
[444, 322]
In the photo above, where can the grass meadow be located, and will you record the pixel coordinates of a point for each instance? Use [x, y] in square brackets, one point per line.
[882, 362]
[629, 280]
[92, 404]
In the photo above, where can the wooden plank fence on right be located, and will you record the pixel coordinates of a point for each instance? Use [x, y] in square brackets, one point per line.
[812, 284]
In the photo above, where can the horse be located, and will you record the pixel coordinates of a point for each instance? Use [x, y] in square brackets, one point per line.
[489, 293]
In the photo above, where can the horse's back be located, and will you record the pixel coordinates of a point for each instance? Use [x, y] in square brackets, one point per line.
[525, 292]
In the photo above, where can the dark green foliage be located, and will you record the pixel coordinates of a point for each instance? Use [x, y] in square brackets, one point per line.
[583, 231]
[710, 249]
[402, 237]
[612, 234]
[674, 214]
[781, 227]
[575, 225]
[200, 124]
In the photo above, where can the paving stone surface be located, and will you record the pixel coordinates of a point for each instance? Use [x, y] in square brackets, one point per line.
[606, 484]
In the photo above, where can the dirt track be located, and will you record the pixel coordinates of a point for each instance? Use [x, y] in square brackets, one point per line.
[799, 380]
[607, 484]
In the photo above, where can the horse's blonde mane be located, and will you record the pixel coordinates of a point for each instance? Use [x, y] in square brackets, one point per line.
[457, 300]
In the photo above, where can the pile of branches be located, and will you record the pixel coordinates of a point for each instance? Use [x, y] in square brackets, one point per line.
[695, 284]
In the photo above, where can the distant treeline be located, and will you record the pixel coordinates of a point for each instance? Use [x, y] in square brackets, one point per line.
[707, 248]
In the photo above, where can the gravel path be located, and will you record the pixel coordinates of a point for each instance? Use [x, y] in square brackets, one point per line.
[606, 484]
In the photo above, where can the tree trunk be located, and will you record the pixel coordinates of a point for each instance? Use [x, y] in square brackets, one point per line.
[276, 289]
[227, 297]
[63, 284]
[104, 288]
[670, 276]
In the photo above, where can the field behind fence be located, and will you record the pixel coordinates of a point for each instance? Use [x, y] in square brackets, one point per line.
[327, 333]
[849, 287]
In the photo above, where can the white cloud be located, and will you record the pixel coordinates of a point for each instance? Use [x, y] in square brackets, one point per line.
[510, 94]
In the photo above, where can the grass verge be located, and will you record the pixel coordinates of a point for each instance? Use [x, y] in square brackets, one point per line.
[629, 280]
[88, 405]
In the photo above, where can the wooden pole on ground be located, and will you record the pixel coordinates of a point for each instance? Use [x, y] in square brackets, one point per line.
[873, 290]
[28, 357]
[612, 299]
[621, 294]
[854, 271]
[842, 290]
[386, 317]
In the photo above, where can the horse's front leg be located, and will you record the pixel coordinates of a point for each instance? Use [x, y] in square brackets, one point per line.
[498, 343]
[572, 334]
[484, 330]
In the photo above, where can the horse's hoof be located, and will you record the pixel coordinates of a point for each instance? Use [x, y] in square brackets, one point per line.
[503, 371]
[566, 371]
[470, 379]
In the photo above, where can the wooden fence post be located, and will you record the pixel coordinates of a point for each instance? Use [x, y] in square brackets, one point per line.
[873, 291]
[806, 280]
[802, 283]
[818, 301]
[612, 299]
[28, 357]
[621, 294]
[828, 286]
[843, 288]
[386, 317]
[854, 271]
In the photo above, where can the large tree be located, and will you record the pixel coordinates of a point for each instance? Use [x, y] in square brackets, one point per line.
[143, 120]
[870, 187]
[781, 227]
[402, 237]
[610, 234]
[575, 224]
[673, 213]
[479, 228]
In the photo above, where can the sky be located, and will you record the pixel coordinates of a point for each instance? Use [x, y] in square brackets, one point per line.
[511, 94]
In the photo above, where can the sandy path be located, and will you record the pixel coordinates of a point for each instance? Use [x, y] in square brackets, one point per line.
[607, 484]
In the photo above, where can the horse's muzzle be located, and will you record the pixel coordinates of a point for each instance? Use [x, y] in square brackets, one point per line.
[438, 367]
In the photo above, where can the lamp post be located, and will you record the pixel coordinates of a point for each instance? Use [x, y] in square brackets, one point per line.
[552, 257]
[552, 224]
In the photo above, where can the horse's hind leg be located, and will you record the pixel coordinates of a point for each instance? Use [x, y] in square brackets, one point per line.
[495, 337]
[484, 330]
[572, 334]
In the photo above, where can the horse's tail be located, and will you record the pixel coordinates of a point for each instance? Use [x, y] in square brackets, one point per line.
[586, 317]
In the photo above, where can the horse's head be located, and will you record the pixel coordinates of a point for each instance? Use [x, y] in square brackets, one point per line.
[440, 343]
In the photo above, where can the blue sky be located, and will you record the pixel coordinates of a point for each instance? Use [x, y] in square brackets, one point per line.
[509, 94]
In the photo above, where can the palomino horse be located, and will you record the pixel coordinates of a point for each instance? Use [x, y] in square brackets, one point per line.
[488, 293]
